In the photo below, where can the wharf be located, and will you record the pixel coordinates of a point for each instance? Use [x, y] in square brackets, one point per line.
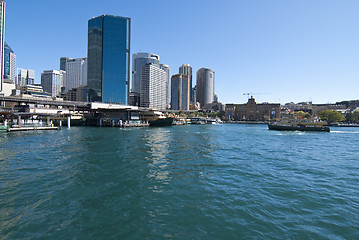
[135, 125]
[19, 129]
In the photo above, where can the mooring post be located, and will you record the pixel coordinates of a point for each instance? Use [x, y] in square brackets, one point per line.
[68, 122]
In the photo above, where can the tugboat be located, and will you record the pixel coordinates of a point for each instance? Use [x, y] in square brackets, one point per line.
[157, 119]
[293, 123]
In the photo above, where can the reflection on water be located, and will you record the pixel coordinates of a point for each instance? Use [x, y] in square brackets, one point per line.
[158, 141]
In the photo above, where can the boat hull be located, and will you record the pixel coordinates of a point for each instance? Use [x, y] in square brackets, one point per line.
[298, 128]
[161, 122]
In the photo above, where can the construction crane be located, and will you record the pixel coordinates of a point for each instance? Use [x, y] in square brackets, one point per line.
[251, 94]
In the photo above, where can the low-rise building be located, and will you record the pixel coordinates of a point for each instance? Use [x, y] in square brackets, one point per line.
[79, 94]
[251, 111]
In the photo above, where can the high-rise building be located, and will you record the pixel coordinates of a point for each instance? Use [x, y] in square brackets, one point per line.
[186, 69]
[153, 87]
[205, 86]
[2, 37]
[25, 77]
[138, 61]
[167, 69]
[180, 92]
[52, 81]
[76, 72]
[108, 59]
[9, 63]
[63, 61]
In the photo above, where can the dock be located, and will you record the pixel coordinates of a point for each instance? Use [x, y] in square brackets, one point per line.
[19, 129]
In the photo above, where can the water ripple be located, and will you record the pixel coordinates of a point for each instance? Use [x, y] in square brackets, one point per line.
[183, 182]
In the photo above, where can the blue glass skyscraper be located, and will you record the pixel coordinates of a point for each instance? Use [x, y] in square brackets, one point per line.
[108, 59]
[7, 66]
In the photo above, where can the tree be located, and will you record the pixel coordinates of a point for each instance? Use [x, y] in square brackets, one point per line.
[352, 117]
[303, 114]
[331, 116]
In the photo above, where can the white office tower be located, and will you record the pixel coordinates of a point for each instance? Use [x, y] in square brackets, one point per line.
[166, 68]
[13, 67]
[76, 73]
[25, 77]
[138, 61]
[52, 81]
[153, 87]
[180, 92]
[2, 37]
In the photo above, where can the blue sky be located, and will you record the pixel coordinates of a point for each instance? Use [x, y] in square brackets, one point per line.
[279, 50]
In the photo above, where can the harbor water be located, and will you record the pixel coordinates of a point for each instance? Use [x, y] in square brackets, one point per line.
[226, 181]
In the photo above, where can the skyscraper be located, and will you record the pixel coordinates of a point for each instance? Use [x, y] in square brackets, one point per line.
[25, 77]
[180, 92]
[63, 62]
[205, 86]
[76, 72]
[186, 69]
[9, 63]
[52, 81]
[2, 37]
[166, 68]
[138, 61]
[108, 59]
[153, 87]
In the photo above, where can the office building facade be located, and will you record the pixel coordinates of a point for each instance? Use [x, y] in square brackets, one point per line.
[25, 77]
[167, 69]
[205, 86]
[52, 81]
[153, 87]
[76, 72]
[186, 69]
[108, 59]
[9, 63]
[180, 92]
[138, 61]
[2, 37]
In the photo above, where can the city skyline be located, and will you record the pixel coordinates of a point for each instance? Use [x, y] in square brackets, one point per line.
[290, 51]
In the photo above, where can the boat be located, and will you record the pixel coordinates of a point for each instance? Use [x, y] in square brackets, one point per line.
[297, 124]
[157, 119]
[3, 128]
[180, 121]
[198, 120]
[211, 121]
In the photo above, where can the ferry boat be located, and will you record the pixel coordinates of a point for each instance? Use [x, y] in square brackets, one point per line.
[157, 119]
[297, 124]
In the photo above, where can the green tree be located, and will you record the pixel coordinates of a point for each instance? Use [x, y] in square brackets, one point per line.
[352, 117]
[303, 114]
[331, 116]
